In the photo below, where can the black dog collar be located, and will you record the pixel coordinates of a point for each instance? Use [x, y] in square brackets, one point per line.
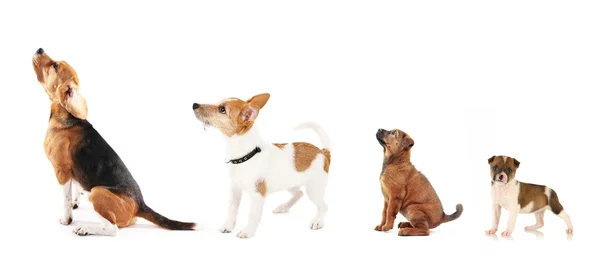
[246, 157]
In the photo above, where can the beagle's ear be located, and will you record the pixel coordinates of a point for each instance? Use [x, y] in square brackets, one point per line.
[407, 142]
[491, 159]
[517, 163]
[259, 100]
[70, 98]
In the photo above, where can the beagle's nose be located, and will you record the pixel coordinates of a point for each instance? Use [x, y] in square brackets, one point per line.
[196, 105]
[40, 51]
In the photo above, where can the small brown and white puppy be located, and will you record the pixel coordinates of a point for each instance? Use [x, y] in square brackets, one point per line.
[84, 161]
[520, 198]
[259, 167]
[407, 190]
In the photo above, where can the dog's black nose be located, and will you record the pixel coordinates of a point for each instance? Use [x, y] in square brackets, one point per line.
[196, 105]
[40, 51]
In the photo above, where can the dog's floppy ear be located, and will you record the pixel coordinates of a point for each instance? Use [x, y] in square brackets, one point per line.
[70, 98]
[259, 100]
[407, 142]
[491, 159]
[517, 163]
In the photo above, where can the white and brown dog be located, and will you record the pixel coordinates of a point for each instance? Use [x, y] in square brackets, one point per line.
[520, 198]
[260, 167]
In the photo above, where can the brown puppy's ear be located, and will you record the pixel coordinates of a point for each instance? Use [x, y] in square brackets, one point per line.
[259, 100]
[248, 113]
[491, 159]
[407, 142]
[517, 163]
[70, 98]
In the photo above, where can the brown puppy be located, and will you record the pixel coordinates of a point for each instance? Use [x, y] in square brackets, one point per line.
[406, 190]
[82, 159]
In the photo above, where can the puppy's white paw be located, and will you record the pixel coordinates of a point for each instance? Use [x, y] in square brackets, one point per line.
[284, 208]
[491, 231]
[506, 233]
[570, 231]
[66, 221]
[316, 224]
[226, 228]
[81, 231]
[244, 234]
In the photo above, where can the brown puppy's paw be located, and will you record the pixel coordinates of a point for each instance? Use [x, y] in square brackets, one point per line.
[378, 228]
[413, 232]
[387, 227]
[405, 225]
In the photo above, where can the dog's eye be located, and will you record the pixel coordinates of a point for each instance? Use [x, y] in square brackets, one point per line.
[495, 168]
[55, 65]
[394, 133]
[509, 171]
[222, 109]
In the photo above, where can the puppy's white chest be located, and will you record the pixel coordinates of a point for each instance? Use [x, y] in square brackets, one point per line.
[505, 195]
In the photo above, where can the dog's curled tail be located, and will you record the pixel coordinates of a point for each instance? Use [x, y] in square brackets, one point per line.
[455, 215]
[325, 142]
[147, 213]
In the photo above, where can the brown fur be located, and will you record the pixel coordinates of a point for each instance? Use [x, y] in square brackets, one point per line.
[529, 193]
[119, 209]
[239, 115]
[304, 154]
[406, 190]
[280, 145]
[327, 155]
[261, 187]
[555, 205]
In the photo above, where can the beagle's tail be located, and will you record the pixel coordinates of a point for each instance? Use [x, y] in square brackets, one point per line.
[325, 142]
[147, 213]
[454, 216]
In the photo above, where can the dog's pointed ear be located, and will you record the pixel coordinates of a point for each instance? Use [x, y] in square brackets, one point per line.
[491, 159]
[70, 98]
[259, 100]
[517, 163]
[407, 142]
[249, 113]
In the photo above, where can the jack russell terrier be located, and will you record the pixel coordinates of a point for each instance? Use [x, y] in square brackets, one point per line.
[259, 167]
[84, 161]
[520, 198]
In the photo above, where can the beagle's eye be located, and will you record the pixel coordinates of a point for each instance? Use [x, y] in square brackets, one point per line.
[55, 65]
[222, 109]
[495, 168]
[508, 171]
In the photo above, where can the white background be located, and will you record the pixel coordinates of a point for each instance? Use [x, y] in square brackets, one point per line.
[466, 79]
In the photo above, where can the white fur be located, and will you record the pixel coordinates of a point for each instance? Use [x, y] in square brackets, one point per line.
[106, 228]
[67, 216]
[276, 167]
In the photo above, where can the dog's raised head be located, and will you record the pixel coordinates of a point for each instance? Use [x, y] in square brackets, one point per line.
[60, 82]
[231, 116]
[503, 168]
[394, 142]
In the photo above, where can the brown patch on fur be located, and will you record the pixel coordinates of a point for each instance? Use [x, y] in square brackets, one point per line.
[238, 117]
[304, 154]
[529, 193]
[327, 161]
[280, 145]
[555, 205]
[119, 209]
[60, 142]
[406, 190]
[261, 187]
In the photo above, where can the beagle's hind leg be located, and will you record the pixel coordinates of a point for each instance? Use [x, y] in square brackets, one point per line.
[114, 211]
